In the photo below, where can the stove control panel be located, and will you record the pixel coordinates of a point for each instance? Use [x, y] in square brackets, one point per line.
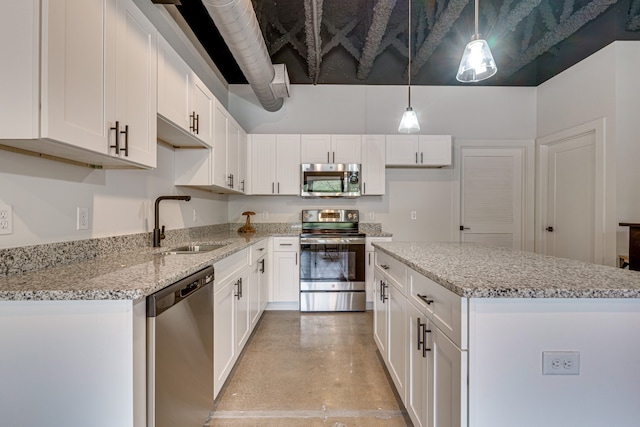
[330, 215]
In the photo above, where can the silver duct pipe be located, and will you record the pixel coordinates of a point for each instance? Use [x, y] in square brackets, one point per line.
[236, 20]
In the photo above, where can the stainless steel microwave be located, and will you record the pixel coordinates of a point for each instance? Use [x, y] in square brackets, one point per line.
[330, 180]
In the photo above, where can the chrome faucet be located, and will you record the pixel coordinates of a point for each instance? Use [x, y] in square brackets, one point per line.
[158, 234]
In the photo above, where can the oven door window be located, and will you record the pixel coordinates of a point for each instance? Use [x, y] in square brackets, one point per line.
[332, 262]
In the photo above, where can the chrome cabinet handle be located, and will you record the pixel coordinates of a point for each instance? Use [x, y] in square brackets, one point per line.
[416, 157]
[419, 326]
[278, 187]
[334, 157]
[384, 292]
[242, 182]
[272, 184]
[327, 157]
[421, 158]
[230, 178]
[425, 299]
[126, 141]
[262, 268]
[237, 293]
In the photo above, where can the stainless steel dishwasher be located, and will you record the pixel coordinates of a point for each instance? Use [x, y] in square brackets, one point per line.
[180, 352]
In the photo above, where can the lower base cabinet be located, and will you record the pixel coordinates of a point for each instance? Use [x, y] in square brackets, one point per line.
[428, 370]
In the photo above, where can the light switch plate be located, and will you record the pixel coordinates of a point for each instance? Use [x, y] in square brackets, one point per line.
[6, 219]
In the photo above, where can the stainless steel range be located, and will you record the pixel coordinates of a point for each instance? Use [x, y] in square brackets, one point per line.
[332, 261]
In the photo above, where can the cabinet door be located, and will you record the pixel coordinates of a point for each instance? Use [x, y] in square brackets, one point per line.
[242, 182]
[435, 150]
[254, 293]
[233, 153]
[174, 82]
[417, 373]
[379, 314]
[448, 375]
[263, 164]
[19, 76]
[220, 151]
[286, 277]
[242, 300]
[201, 112]
[402, 150]
[346, 149]
[373, 165]
[288, 165]
[315, 149]
[224, 343]
[135, 62]
[74, 43]
[396, 339]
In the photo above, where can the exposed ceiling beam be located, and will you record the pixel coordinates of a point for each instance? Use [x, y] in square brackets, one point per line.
[381, 12]
[312, 23]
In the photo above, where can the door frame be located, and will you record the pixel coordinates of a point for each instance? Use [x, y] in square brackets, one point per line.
[604, 240]
[528, 182]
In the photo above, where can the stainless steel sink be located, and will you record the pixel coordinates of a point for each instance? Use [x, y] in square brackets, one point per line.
[194, 249]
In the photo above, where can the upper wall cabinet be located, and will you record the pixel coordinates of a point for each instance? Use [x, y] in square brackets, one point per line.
[90, 96]
[330, 149]
[418, 150]
[221, 169]
[373, 164]
[275, 164]
[185, 104]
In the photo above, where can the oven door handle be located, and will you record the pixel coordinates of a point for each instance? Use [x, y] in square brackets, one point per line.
[333, 241]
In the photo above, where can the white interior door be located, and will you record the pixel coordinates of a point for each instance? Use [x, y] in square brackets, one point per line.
[492, 196]
[570, 217]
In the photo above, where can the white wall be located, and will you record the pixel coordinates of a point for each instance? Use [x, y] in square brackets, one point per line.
[45, 194]
[604, 85]
[468, 113]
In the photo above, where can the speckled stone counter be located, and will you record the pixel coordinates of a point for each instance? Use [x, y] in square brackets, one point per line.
[128, 275]
[476, 271]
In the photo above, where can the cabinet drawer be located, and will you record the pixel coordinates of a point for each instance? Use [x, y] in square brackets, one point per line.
[258, 250]
[393, 268]
[445, 309]
[286, 244]
[230, 265]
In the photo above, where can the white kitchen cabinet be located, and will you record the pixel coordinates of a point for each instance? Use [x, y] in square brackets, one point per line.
[380, 313]
[369, 273]
[330, 149]
[258, 283]
[185, 103]
[373, 165]
[418, 150]
[218, 168]
[286, 270]
[418, 378]
[275, 164]
[448, 376]
[231, 325]
[396, 306]
[97, 69]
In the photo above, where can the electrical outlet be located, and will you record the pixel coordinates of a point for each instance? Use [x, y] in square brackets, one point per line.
[6, 219]
[82, 218]
[414, 215]
[265, 215]
[560, 363]
[372, 216]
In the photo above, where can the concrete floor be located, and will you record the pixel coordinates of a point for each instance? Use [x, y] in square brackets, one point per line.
[308, 369]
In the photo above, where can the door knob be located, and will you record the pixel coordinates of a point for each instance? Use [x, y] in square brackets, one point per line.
[549, 229]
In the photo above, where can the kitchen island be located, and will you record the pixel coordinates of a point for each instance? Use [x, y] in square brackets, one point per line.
[512, 338]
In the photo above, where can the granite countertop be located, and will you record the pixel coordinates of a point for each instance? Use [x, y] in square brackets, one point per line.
[129, 275]
[475, 271]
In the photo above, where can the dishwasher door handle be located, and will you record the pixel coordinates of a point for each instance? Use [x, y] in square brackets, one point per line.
[189, 289]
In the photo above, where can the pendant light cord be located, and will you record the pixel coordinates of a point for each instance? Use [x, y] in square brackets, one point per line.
[409, 45]
[476, 20]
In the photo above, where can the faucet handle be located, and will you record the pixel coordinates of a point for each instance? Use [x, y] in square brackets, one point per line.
[162, 236]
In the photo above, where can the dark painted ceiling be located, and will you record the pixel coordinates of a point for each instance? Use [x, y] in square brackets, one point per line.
[365, 41]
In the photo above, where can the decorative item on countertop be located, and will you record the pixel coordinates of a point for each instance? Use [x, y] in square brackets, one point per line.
[247, 227]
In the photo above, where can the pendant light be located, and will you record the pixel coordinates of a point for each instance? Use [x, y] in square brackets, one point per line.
[409, 122]
[477, 61]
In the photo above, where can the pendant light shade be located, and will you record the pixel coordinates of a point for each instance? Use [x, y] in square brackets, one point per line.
[477, 61]
[409, 122]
